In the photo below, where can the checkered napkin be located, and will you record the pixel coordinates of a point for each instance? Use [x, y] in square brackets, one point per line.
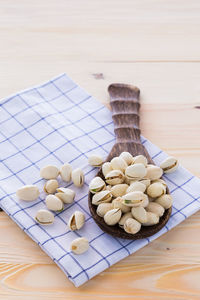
[58, 122]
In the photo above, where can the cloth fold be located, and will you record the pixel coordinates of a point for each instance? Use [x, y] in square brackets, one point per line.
[59, 122]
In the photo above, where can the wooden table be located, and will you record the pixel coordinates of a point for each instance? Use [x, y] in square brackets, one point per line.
[152, 44]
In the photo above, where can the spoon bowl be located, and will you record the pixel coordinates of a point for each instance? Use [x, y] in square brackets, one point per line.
[124, 100]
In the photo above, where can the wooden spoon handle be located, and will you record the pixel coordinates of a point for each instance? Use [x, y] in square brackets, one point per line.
[124, 100]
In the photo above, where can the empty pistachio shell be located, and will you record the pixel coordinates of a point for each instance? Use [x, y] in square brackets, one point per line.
[113, 216]
[28, 192]
[78, 177]
[145, 202]
[117, 203]
[139, 213]
[119, 189]
[127, 157]
[140, 159]
[101, 197]
[133, 199]
[123, 219]
[65, 194]
[79, 245]
[165, 201]
[76, 220]
[102, 208]
[95, 160]
[49, 172]
[51, 186]
[147, 182]
[132, 226]
[153, 172]
[169, 165]
[155, 208]
[156, 189]
[54, 203]
[135, 172]
[44, 217]
[96, 185]
[118, 163]
[136, 186]
[152, 219]
[106, 168]
[65, 172]
[115, 177]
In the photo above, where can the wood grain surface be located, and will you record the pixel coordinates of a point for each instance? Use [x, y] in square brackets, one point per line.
[153, 44]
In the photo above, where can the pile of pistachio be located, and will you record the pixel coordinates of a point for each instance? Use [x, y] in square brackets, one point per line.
[133, 193]
[56, 198]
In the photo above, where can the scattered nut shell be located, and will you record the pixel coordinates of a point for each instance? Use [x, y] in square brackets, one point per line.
[49, 172]
[65, 172]
[28, 192]
[54, 203]
[78, 177]
[51, 186]
[44, 217]
[76, 220]
[95, 160]
[79, 245]
[65, 194]
[169, 165]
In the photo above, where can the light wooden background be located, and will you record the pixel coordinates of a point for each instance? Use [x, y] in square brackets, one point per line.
[154, 44]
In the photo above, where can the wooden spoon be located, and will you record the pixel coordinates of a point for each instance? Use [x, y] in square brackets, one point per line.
[124, 100]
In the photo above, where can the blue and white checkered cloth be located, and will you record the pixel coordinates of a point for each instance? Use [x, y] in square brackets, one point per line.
[59, 122]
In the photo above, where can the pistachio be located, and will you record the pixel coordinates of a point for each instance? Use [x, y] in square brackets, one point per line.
[133, 199]
[118, 163]
[156, 189]
[65, 194]
[140, 159]
[115, 177]
[102, 208]
[117, 203]
[106, 168]
[123, 219]
[145, 202]
[132, 226]
[28, 192]
[147, 182]
[96, 185]
[95, 160]
[136, 186]
[65, 172]
[161, 181]
[165, 201]
[135, 172]
[78, 177]
[127, 157]
[155, 208]
[101, 197]
[119, 190]
[44, 217]
[153, 172]
[76, 220]
[152, 219]
[49, 172]
[169, 165]
[113, 216]
[51, 186]
[79, 245]
[139, 213]
[54, 203]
